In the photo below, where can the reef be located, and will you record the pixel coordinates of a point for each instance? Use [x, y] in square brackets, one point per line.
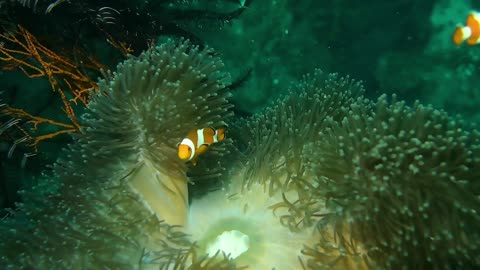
[323, 178]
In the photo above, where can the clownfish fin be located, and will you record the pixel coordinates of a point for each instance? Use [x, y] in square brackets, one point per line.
[220, 134]
[473, 20]
[202, 148]
[460, 34]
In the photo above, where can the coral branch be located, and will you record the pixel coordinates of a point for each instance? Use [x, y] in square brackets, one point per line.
[36, 60]
[21, 50]
[35, 121]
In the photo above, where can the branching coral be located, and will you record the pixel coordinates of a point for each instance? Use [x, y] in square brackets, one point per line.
[70, 81]
[115, 185]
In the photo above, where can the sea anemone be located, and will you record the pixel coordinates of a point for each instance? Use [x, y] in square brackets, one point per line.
[273, 139]
[331, 180]
[152, 102]
[404, 182]
[117, 191]
[322, 179]
[264, 216]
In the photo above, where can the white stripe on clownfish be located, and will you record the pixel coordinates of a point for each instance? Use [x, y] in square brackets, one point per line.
[190, 144]
[200, 137]
[215, 137]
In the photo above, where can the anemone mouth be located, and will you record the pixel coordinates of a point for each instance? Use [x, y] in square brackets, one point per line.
[253, 227]
[248, 219]
[235, 237]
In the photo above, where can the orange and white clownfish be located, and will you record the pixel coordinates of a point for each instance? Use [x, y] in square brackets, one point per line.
[469, 32]
[197, 142]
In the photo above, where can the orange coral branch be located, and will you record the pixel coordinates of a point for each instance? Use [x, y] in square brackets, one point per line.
[23, 51]
[123, 47]
[40, 138]
[36, 60]
[35, 121]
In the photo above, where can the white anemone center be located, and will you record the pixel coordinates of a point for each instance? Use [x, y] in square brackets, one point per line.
[233, 243]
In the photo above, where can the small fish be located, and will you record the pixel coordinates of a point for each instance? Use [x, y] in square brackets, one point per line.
[469, 32]
[197, 142]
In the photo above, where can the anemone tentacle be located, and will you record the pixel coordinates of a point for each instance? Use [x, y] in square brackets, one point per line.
[114, 197]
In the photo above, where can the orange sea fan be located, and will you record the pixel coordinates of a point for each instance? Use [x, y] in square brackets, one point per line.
[71, 81]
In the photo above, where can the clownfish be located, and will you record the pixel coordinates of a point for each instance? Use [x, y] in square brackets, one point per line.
[469, 32]
[197, 142]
